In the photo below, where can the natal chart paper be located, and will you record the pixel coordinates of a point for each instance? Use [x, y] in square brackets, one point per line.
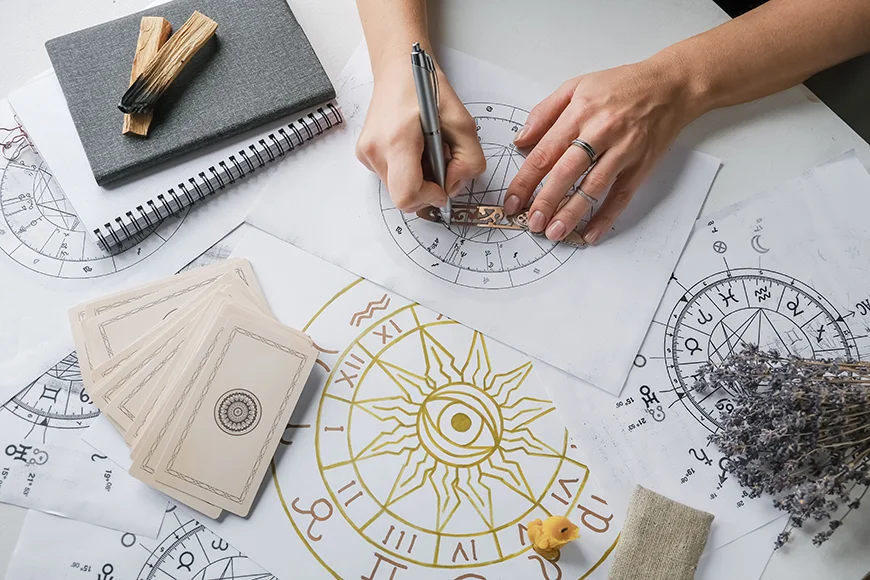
[45, 465]
[770, 271]
[48, 264]
[419, 448]
[493, 280]
[185, 550]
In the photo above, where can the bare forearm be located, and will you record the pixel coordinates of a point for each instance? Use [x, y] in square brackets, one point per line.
[390, 27]
[770, 49]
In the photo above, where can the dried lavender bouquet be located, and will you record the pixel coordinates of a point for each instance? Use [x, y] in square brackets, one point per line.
[799, 430]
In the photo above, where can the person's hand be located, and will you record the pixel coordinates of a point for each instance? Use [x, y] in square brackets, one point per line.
[391, 143]
[630, 115]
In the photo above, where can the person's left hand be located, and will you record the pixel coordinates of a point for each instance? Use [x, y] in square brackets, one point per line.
[630, 115]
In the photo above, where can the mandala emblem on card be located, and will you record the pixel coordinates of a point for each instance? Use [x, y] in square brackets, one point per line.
[432, 446]
[39, 228]
[731, 309]
[237, 412]
[487, 258]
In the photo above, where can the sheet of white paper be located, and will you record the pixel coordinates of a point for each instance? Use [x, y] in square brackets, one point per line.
[105, 439]
[58, 549]
[493, 280]
[45, 465]
[848, 181]
[75, 482]
[48, 264]
[767, 271]
[489, 444]
[744, 558]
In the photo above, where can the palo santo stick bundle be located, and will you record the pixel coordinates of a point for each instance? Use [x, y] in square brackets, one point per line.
[154, 31]
[167, 64]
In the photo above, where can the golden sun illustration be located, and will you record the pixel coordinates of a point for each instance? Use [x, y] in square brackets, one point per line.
[457, 428]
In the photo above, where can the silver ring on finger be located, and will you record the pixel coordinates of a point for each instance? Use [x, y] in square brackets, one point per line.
[585, 196]
[590, 151]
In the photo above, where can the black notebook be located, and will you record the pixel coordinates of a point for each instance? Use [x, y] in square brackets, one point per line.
[259, 67]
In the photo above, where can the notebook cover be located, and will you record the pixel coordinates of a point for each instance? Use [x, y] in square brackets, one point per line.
[257, 68]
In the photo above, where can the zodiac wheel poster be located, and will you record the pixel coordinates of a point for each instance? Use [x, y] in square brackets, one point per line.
[420, 448]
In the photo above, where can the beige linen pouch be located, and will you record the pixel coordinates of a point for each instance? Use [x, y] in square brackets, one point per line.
[661, 539]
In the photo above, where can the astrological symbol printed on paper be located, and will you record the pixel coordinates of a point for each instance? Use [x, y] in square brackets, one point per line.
[190, 551]
[488, 258]
[39, 228]
[433, 451]
[27, 454]
[730, 309]
[55, 400]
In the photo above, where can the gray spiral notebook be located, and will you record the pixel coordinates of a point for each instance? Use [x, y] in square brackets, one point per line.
[259, 67]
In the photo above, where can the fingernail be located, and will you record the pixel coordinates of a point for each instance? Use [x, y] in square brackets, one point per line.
[459, 188]
[521, 132]
[590, 235]
[555, 231]
[537, 221]
[512, 204]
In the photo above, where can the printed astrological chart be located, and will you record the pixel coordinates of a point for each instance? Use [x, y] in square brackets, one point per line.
[431, 449]
[190, 551]
[749, 277]
[55, 400]
[734, 308]
[185, 550]
[487, 258]
[40, 230]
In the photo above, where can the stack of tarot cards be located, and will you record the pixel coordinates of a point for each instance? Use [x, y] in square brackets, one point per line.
[198, 377]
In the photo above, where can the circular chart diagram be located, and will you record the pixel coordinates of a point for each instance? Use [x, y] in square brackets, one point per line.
[193, 552]
[57, 399]
[488, 258]
[40, 230]
[731, 309]
[429, 445]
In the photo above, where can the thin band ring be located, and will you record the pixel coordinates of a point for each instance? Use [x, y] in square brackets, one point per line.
[585, 196]
[590, 151]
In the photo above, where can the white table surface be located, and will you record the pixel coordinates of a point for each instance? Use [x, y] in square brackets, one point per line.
[761, 144]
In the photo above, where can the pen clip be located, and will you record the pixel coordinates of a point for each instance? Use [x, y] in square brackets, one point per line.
[430, 65]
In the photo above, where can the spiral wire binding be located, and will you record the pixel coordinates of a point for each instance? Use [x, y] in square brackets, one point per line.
[218, 176]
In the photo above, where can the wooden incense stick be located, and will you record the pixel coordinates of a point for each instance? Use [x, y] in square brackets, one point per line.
[167, 64]
[154, 31]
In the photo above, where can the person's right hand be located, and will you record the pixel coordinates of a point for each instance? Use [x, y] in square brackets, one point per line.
[391, 143]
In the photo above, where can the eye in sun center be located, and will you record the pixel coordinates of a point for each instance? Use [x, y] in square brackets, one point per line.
[461, 422]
